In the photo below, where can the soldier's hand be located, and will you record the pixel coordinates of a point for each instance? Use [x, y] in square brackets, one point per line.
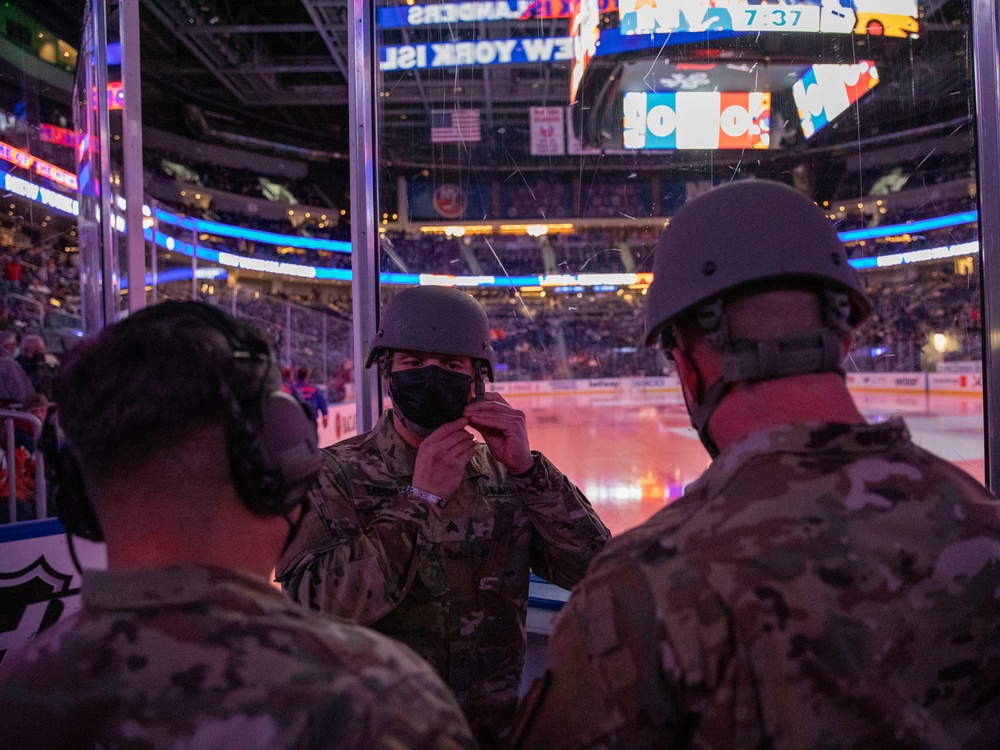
[442, 458]
[504, 429]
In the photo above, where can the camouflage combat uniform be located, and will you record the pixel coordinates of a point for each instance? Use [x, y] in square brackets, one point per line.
[203, 659]
[451, 582]
[820, 586]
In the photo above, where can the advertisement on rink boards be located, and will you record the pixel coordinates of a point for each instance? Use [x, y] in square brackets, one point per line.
[341, 424]
[957, 382]
[897, 382]
[39, 583]
[889, 381]
[917, 382]
[579, 386]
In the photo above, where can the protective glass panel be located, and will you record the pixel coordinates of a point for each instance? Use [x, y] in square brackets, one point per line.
[532, 151]
[40, 290]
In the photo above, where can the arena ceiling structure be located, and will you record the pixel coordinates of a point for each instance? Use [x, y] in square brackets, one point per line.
[278, 69]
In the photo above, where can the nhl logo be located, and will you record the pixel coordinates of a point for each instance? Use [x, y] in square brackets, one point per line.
[30, 601]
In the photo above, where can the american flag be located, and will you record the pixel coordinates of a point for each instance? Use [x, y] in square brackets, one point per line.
[451, 125]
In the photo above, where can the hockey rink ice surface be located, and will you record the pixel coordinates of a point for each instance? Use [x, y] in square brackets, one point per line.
[631, 454]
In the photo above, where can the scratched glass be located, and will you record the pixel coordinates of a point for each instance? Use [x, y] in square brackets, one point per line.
[531, 152]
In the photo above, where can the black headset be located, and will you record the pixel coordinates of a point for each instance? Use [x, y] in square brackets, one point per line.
[272, 439]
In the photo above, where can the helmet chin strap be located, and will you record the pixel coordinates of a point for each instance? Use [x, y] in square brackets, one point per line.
[811, 351]
[480, 380]
[701, 411]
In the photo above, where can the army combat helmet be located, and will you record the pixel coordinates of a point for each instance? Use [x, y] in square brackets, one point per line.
[437, 320]
[748, 236]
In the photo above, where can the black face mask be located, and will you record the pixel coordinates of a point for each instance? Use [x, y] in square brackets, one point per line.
[428, 397]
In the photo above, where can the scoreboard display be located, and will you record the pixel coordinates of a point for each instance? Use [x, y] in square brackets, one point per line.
[825, 91]
[697, 120]
[876, 17]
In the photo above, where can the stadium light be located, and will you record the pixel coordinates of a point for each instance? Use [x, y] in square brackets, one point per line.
[255, 235]
[66, 204]
[925, 225]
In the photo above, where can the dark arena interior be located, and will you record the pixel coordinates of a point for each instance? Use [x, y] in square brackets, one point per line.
[536, 174]
[528, 152]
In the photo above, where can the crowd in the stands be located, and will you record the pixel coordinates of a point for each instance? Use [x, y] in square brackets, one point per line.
[565, 333]
[505, 254]
[600, 335]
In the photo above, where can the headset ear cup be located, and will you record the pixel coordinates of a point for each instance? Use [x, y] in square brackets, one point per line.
[275, 465]
[290, 443]
[72, 504]
[244, 465]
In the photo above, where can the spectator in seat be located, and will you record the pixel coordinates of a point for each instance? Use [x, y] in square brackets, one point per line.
[313, 396]
[37, 405]
[288, 385]
[39, 366]
[12, 270]
[15, 385]
[336, 390]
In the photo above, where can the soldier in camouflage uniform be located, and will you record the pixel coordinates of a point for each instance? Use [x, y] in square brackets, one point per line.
[194, 466]
[825, 584]
[427, 535]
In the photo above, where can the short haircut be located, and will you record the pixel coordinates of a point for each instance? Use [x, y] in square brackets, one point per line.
[33, 400]
[32, 344]
[303, 373]
[148, 383]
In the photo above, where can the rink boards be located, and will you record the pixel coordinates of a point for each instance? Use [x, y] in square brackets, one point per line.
[626, 442]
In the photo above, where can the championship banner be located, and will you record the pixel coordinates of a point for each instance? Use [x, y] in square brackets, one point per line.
[548, 137]
[697, 120]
